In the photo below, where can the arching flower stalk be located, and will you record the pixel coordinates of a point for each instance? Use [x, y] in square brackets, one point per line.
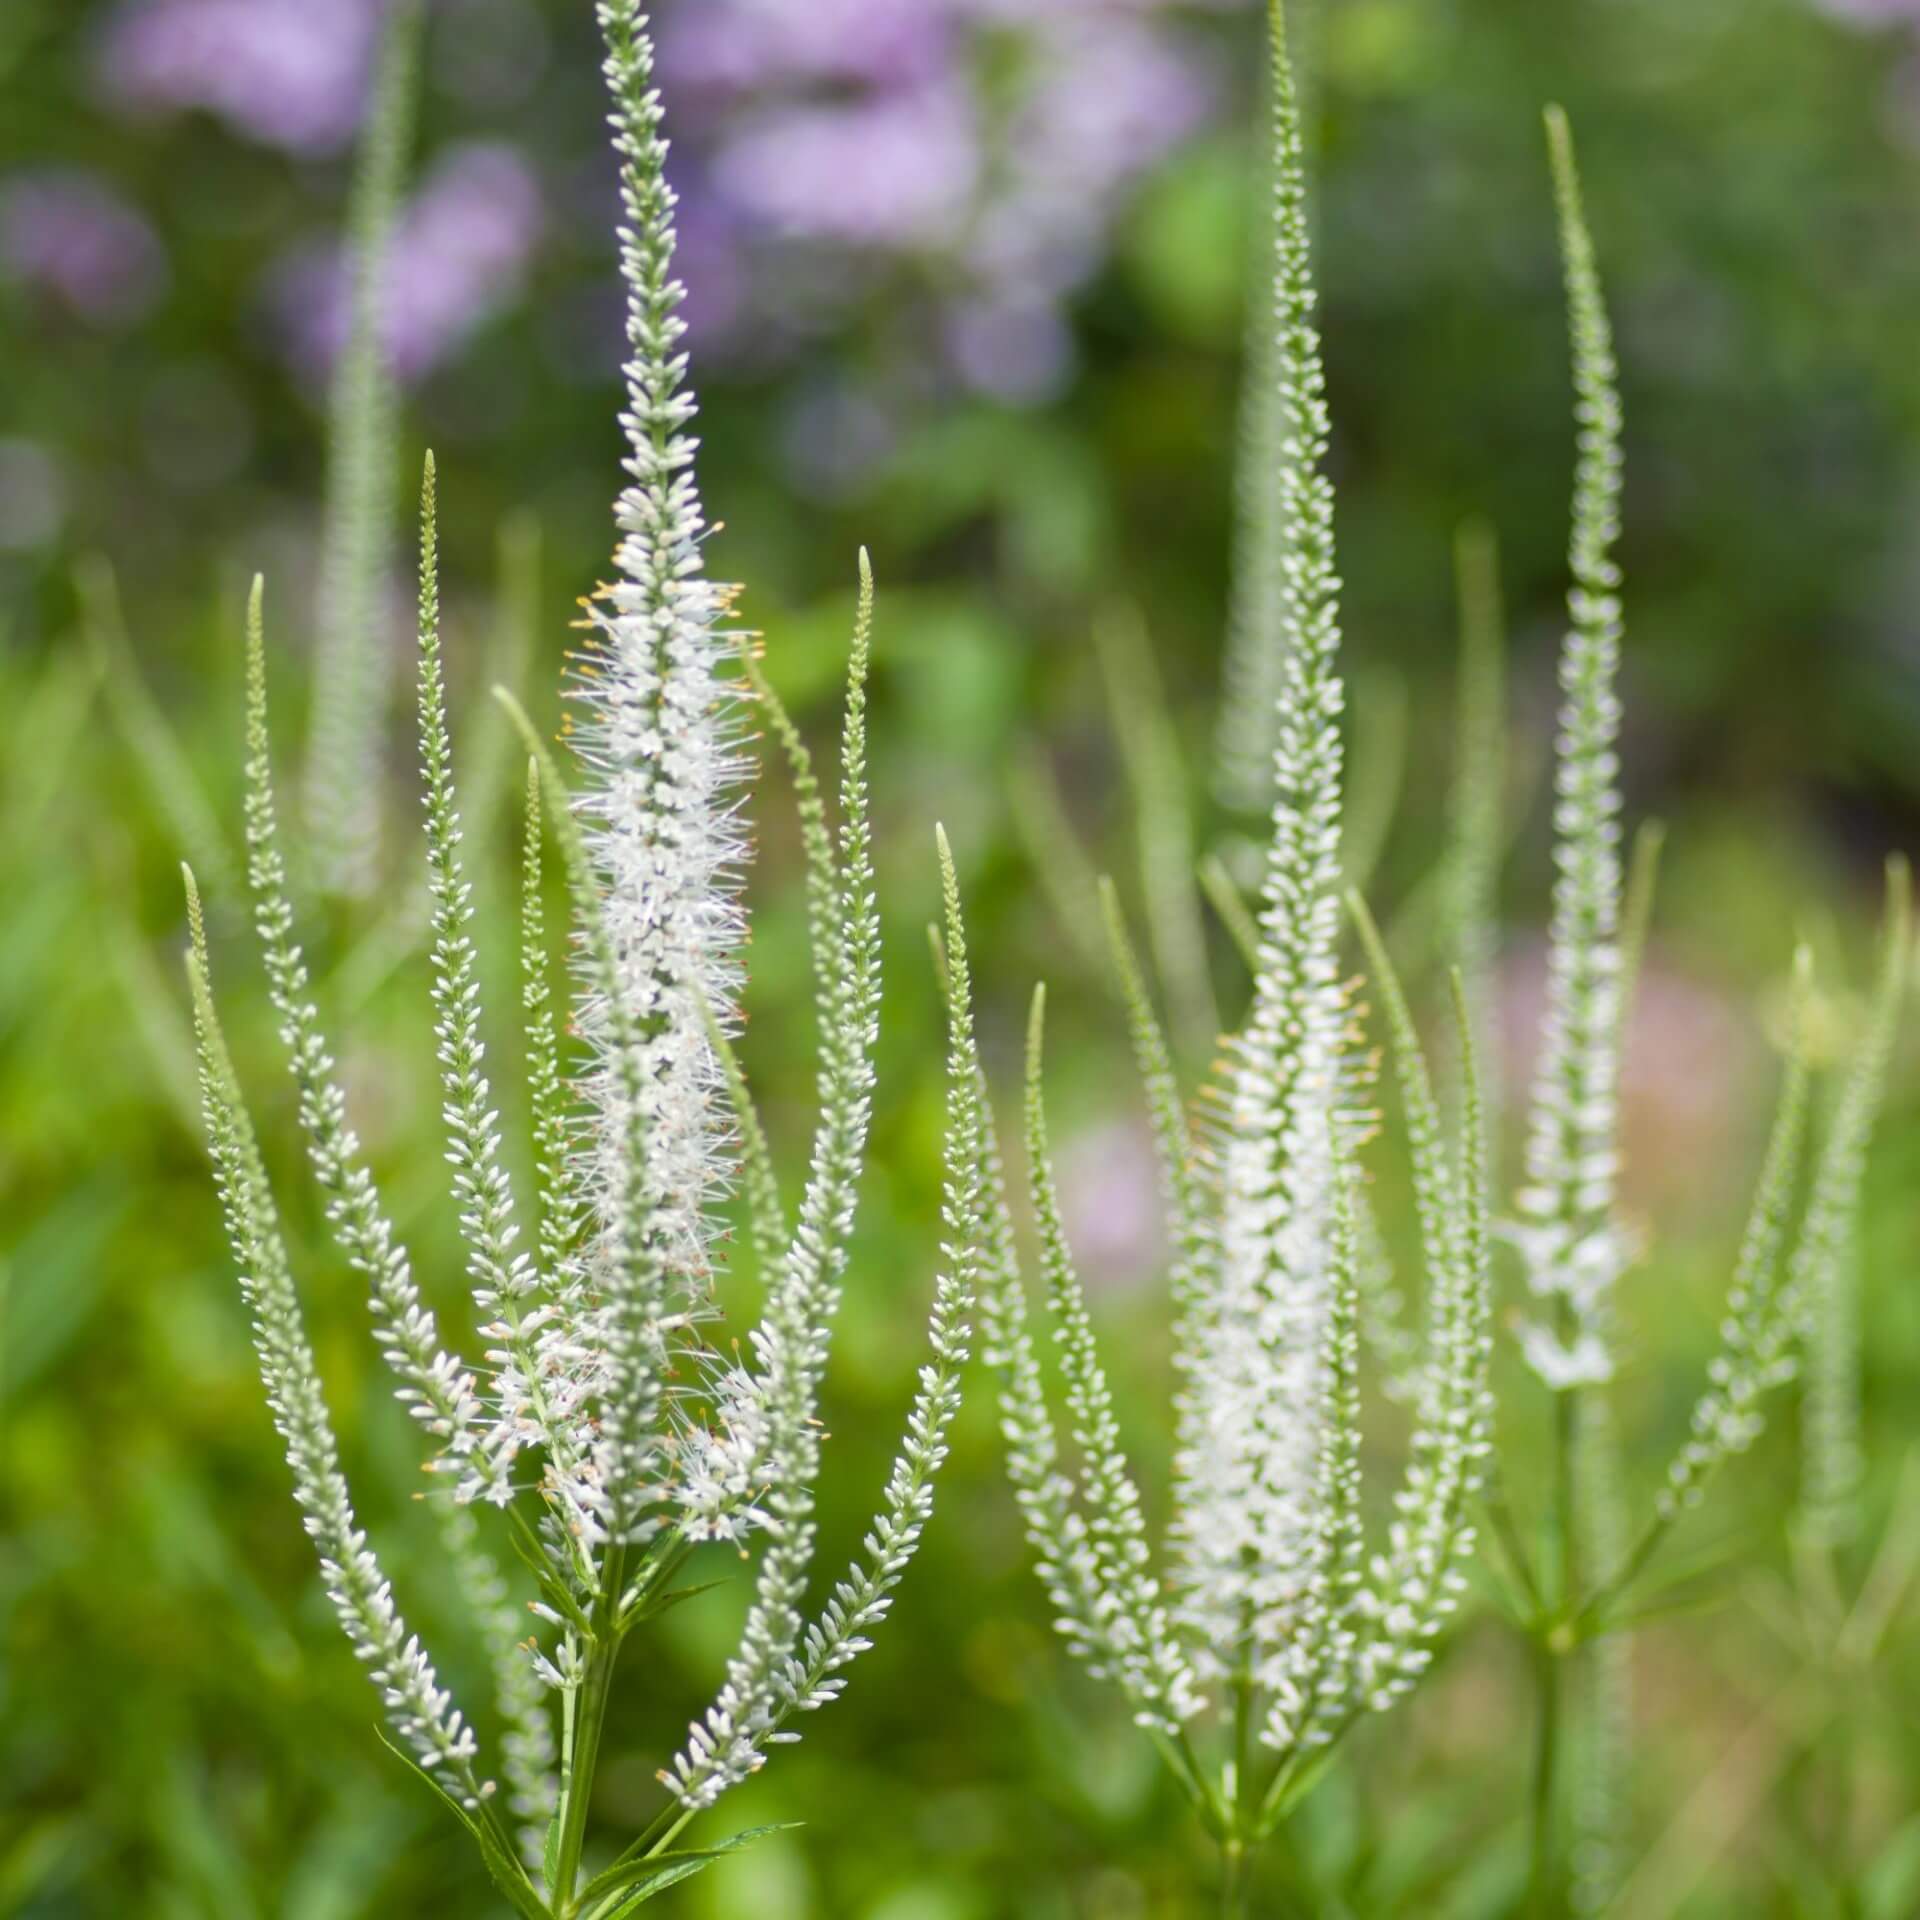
[609, 1439]
[1269, 1614]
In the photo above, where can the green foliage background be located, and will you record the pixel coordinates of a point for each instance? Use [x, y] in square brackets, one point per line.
[182, 1732]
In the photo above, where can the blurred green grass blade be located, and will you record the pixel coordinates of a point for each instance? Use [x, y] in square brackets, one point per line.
[1477, 802]
[1163, 823]
[1382, 711]
[1059, 860]
[490, 778]
[163, 762]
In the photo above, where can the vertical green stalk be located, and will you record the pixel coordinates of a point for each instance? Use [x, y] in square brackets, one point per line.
[1544, 1868]
[1236, 1884]
[582, 1746]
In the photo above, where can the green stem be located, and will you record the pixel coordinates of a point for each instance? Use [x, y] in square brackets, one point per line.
[583, 1750]
[1544, 1871]
[1236, 1881]
[577, 1790]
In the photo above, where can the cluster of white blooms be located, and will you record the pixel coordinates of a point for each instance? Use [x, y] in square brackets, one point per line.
[1253, 1373]
[659, 733]
[1270, 1606]
[1567, 1234]
[595, 1407]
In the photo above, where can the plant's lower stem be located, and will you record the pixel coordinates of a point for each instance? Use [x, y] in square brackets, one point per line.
[589, 1717]
[1543, 1872]
[1236, 1882]
[592, 1715]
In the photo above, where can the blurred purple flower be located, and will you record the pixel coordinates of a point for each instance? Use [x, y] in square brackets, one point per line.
[68, 233]
[459, 254]
[891, 170]
[1015, 350]
[287, 73]
[1874, 12]
[1112, 98]
[740, 46]
[912, 130]
[1109, 1187]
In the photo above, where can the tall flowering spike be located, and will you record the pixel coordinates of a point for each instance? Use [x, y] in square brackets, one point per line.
[786, 1666]
[1824, 1281]
[1136, 1638]
[1567, 1234]
[610, 1359]
[1416, 1585]
[764, 1460]
[342, 797]
[1244, 1551]
[435, 1386]
[562, 1209]
[1757, 1330]
[503, 1277]
[420, 1711]
[659, 731]
[1309, 1679]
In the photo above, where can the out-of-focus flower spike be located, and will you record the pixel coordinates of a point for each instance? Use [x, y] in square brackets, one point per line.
[520, 1696]
[1636, 912]
[1824, 1281]
[350, 701]
[1757, 1330]
[1139, 1641]
[1257, 637]
[1436, 1194]
[1417, 1586]
[1568, 1236]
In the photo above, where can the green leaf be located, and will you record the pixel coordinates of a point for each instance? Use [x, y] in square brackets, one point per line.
[642, 1878]
[550, 1857]
[503, 1868]
[652, 1606]
[554, 1590]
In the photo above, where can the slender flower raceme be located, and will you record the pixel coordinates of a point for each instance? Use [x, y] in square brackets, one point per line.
[1570, 1240]
[1270, 1611]
[659, 725]
[595, 1428]
[1580, 1590]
